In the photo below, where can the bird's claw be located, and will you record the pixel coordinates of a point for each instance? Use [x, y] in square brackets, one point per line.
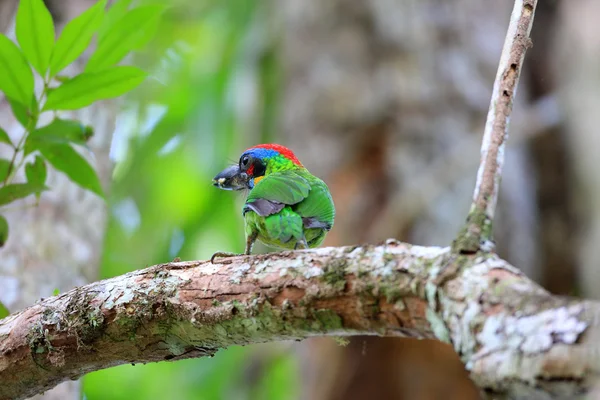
[223, 254]
[301, 244]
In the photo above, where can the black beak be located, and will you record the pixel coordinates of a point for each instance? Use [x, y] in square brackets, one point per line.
[231, 178]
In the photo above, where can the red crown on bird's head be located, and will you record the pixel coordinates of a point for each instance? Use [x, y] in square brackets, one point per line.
[284, 151]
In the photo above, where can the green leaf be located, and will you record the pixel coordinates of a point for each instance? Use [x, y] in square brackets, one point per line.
[58, 131]
[87, 88]
[132, 31]
[16, 78]
[4, 138]
[36, 172]
[64, 158]
[55, 292]
[76, 37]
[15, 191]
[35, 33]
[4, 167]
[24, 115]
[114, 13]
[3, 236]
[19, 111]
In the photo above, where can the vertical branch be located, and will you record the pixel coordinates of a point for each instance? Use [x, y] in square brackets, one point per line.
[477, 233]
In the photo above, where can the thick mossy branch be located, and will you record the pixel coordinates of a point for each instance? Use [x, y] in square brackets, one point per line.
[511, 334]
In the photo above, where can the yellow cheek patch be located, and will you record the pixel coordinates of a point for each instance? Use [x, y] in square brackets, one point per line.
[258, 179]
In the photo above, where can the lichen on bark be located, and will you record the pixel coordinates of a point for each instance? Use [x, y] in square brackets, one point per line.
[192, 309]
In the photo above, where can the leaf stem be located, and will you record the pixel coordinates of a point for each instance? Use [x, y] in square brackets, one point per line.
[31, 125]
[12, 161]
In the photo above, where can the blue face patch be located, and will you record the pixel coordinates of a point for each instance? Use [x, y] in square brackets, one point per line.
[262, 153]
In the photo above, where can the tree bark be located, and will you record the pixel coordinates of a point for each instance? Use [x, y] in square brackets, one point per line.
[514, 337]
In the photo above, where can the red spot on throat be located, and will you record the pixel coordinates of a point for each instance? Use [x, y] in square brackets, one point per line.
[250, 171]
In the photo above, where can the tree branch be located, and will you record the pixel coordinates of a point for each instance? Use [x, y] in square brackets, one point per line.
[477, 233]
[513, 336]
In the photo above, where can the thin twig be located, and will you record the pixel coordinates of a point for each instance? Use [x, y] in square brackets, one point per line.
[477, 234]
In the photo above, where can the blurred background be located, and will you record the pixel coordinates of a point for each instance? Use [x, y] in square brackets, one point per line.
[383, 99]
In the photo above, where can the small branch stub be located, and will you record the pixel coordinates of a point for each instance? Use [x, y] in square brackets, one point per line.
[477, 233]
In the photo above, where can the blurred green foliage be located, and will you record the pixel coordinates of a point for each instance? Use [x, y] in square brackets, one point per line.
[212, 92]
[3, 311]
[225, 376]
[37, 55]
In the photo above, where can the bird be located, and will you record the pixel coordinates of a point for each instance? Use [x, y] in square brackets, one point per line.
[287, 207]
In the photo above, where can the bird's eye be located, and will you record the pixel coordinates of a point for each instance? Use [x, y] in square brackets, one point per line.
[245, 161]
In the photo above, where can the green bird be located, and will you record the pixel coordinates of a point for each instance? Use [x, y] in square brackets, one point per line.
[287, 206]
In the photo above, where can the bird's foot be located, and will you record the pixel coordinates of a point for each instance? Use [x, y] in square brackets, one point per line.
[223, 254]
[301, 244]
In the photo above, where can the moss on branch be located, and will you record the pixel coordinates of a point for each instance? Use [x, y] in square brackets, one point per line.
[192, 309]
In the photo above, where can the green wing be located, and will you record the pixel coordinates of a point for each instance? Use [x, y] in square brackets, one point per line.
[317, 209]
[285, 226]
[285, 187]
[290, 202]
[271, 198]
